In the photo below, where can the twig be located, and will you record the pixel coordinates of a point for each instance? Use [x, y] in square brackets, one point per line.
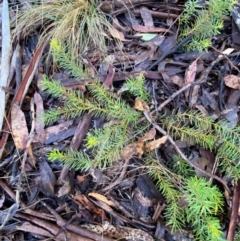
[5, 61]
[234, 213]
[76, 229]
[79, 135]
[156, 126]
[119, 179]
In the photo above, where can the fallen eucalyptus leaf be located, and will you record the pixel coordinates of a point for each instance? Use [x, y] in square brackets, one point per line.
[19, 127]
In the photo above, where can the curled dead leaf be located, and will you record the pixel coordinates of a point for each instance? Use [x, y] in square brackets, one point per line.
[191, 72]
[141, 105]
[102, 198]
[232, 81]
[19, 127]
[133, 149]
[117, 34]
[155, 144]
[82, 200]
[149, 135]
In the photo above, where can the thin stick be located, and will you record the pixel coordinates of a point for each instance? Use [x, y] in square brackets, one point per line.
[119, 179]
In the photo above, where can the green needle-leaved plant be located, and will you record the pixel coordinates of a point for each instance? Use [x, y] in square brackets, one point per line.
[136, 86]
[203, 22]
[170, 185]
[192, 201]
[178, 183]
[105, 143]
[204, 202]
[220, 137]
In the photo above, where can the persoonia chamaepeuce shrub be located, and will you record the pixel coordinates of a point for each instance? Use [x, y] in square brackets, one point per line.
[203, 22]
[203, 201]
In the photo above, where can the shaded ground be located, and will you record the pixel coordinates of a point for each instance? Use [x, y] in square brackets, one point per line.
[43, 200]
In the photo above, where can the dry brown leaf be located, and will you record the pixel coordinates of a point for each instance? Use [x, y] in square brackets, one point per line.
[137, 148]
[102, 198]
[155, 144]
[232, 81]
[191, 72]
[228, 51]
[53, 131]
[141, 105]
[117, 34]
[81, 179]
[177, 80]
[202, 163]
[65, 188]
[88, 205]
[144, 29]
[149, 135]
[194, 96]
[133, 149]
[19, 127]
[190, 75]
[47, 179]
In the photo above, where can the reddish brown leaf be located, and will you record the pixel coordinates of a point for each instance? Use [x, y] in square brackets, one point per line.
[88, 205]
[102, 198]
[81, 179]
[144, 29]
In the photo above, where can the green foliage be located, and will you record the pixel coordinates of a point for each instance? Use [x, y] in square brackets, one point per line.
[208, 21]
[106, 143]
[237, 235]
[203, 202]
[72, 159]
[166, 182]
[136, 87]
[220, 137]
[67, 60]
[202, 199]
[182, 168]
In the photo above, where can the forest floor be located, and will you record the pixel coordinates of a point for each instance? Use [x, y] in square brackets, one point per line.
[185, 134]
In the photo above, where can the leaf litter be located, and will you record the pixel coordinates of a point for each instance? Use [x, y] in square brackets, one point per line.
[96, 204]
